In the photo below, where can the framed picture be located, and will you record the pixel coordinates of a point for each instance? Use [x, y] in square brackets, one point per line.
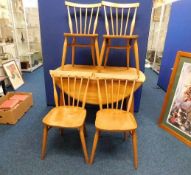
[13, 74]
[175, 116]
[158, 12]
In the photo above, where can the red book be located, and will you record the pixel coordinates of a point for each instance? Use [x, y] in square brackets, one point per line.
[8, 104]
[19, 97]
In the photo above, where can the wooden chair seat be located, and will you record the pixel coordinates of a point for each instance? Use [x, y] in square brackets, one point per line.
[65, 117]
[115, 120]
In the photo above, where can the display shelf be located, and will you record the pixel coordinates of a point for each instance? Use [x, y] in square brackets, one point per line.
[7, 45]
[158, 29]
[30, 61]
[27, 34]
[32, 68]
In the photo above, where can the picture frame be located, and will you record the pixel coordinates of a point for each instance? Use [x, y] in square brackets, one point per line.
[157, 13]
[175, 117]
[12, 71]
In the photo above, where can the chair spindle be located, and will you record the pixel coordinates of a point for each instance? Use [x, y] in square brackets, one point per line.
[55, 92]
[123, 97]
[68, 90]
[116, 15]
[70, 20]
[74, 89]
[121, 29]
[76, 20]
[80, 86]
[118, 90]
[62, 90]
[92, 10]
[127, 21]
[111, 16]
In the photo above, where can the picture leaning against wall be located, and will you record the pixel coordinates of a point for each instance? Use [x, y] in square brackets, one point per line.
[176, 111]
[13, 74]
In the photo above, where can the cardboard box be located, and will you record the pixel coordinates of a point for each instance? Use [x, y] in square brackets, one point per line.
[13, 115]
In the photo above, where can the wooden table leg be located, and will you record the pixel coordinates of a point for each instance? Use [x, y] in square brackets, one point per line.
[107, 52]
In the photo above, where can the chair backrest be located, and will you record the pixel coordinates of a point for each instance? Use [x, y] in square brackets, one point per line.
[73, 87]
[82, 18]
[119, 17]
[113, 89]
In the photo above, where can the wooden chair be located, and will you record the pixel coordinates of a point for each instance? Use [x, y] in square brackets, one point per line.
[82, 19]
[120, 23]
[112, 117]
[72, 114]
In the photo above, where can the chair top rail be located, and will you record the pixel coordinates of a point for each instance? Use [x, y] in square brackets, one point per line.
[115, 76]
[117, 5]
[73, 4]
[77, 74]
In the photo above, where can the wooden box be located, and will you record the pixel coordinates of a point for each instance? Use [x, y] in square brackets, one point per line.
[11, 116]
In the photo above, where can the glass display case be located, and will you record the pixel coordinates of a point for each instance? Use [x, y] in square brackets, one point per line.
[27, 34]
[7, 45]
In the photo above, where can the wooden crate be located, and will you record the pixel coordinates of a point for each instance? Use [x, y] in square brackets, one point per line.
[11, 116]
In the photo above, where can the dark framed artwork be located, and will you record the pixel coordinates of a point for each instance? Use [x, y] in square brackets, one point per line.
[175, 116]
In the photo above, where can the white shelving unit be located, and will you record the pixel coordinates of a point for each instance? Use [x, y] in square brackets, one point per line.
[7, 44]
[26, 34]
[158, 29]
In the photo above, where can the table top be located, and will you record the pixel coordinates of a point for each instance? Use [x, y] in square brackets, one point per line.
[129, 72]
[92, 98]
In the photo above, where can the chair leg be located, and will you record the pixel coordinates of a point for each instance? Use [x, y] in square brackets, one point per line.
[97, 50]
[93, 54]
[128, 56]
[107, 52]
[64, 52]
[106, 56]
[73, 50]
[85, 132]
[125, 135]
[96, 137]
[44, 141]
[102, 52]
[82, 138]
[136, 53]
[61, 131]
[135, 152]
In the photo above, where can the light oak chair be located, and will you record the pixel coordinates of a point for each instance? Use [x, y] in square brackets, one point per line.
[119, 24]
[83, 20]
[112, 117]
[72, 113]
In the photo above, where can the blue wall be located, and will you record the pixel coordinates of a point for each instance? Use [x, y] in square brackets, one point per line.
[54, 22]
[178, 38]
